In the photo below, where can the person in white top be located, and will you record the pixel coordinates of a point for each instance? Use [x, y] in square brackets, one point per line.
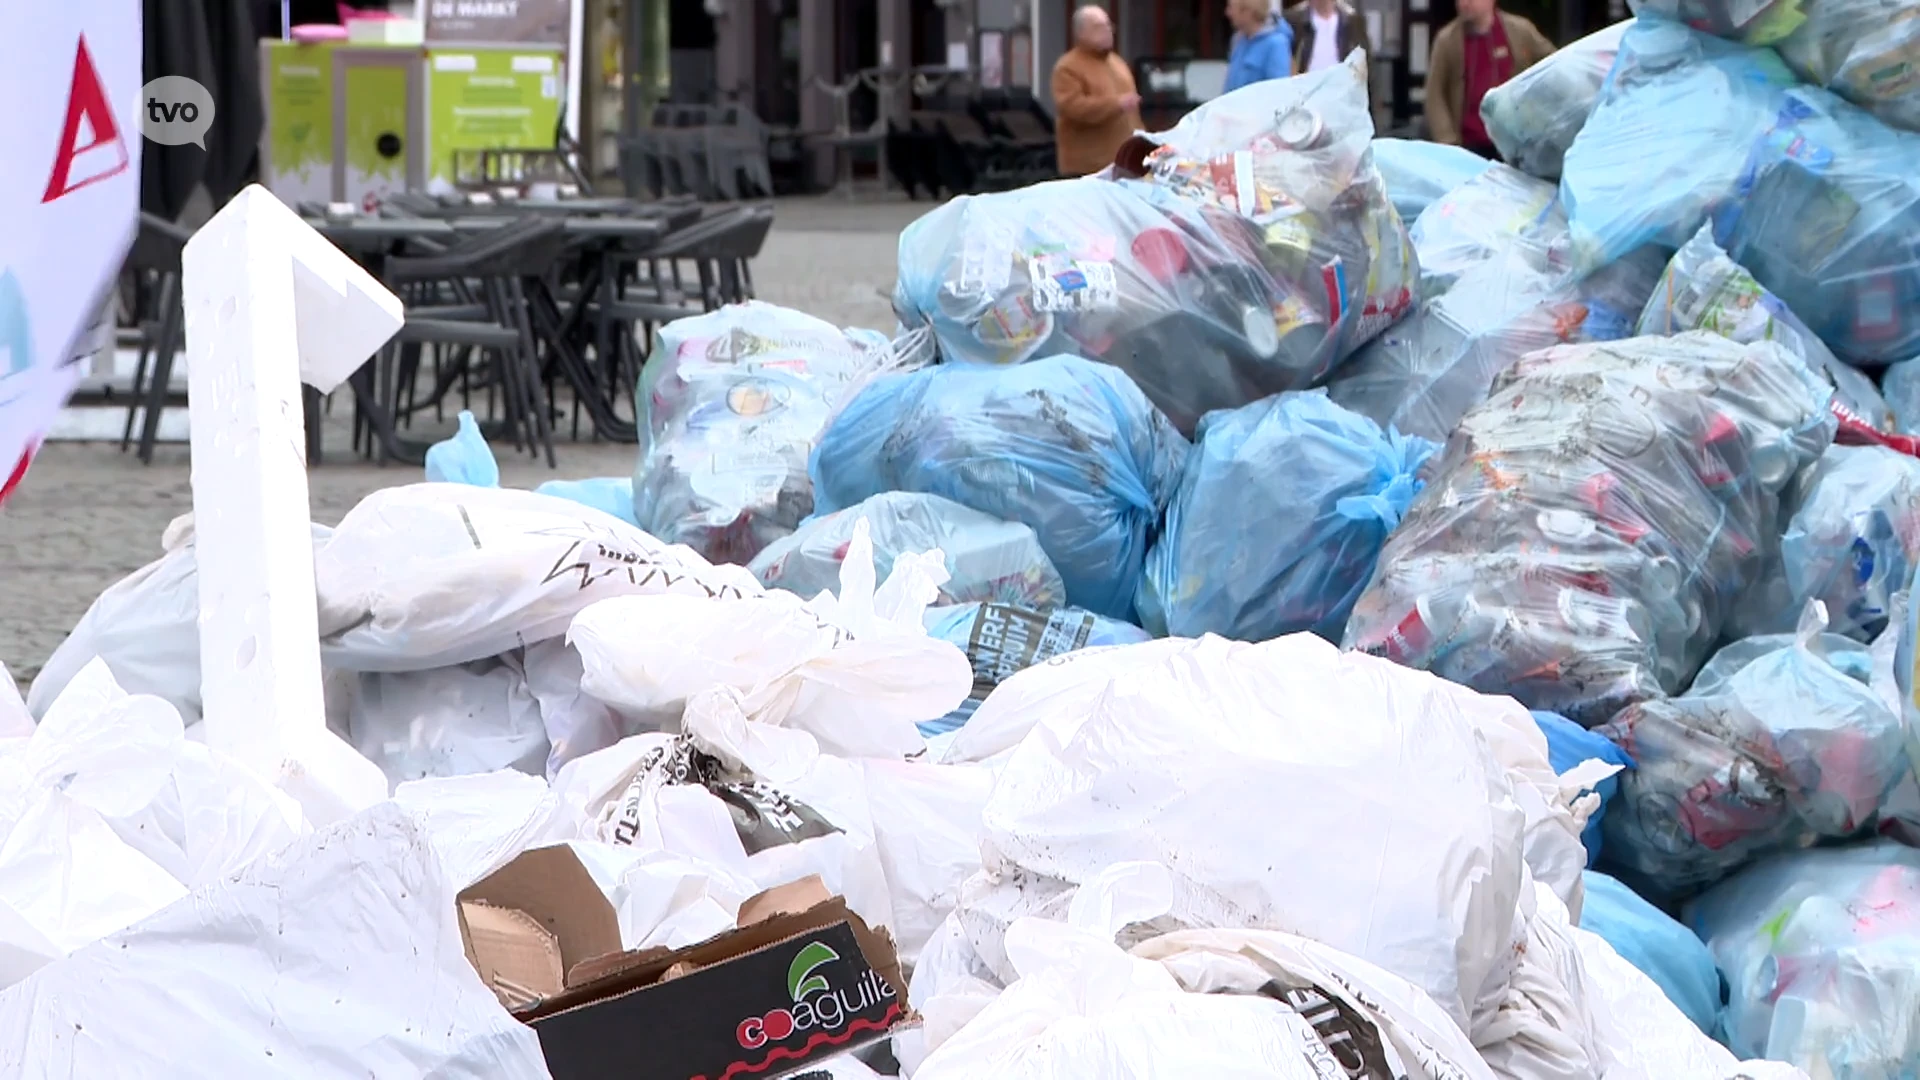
[1324, 32]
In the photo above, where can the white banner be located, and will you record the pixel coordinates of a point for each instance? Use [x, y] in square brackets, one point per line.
[69, 198]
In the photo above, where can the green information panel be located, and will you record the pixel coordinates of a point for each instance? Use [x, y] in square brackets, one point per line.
[378, 129]
[299, 137]
[490, 99]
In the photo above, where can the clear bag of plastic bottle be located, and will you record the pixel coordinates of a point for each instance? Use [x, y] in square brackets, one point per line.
[1582, 537]
[1418, 172]
[1821, 950]
[730, 404]
[1251, 249]
[1765, 757]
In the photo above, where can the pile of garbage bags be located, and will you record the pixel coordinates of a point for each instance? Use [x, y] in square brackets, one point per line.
[1291, 603]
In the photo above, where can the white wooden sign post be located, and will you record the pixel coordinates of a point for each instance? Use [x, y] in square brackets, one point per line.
[270, 303]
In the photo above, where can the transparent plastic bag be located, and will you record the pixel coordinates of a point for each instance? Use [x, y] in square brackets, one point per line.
[1773, 755]
[1258, 249]
[1704, 289]
[1900, 383]
[1534, 116]
[1668, 140]
[1418, 172]
[1821, 950]
[730, 403]
[1501, 213]
[1277, 522]
[988, 560]
[1750, 22]
[1854, 538]
[1068, 447]
[1425, 373]
[1582, 537]
[1001, 640]
[451, 721]
[1827, 208]
[1866, 51]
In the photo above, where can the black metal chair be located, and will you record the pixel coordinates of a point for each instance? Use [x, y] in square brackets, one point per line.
[156, 253]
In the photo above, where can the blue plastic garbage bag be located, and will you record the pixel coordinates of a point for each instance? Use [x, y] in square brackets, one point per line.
[1069, 447]
[1664, 950]
[988, 560]
[1821, 951]
[1583, 533]
[1779, 753]
[1001, 639]
[463, 458]
[1569, 744]
[1534, 116]
[1901, 386]
[730, 404]
[1668, 140]
[1426, 372]
[1278, 519]
[1828, 205]
[608, 494]
[1704, 289]
[1209, 296]
[1418, 172]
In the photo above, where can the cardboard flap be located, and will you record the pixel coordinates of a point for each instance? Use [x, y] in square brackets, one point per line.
[790, 899]
[609, 975]
[551, 886]
[516, 957]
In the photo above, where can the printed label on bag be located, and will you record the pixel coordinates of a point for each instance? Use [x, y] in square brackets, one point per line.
[1007, 639]
[1340, 1042]
[763, 817]
[1063, 284]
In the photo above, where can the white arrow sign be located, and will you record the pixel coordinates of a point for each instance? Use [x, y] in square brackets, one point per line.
[269, 303]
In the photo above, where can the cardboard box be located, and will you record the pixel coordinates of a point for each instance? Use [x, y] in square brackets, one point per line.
[800, 978]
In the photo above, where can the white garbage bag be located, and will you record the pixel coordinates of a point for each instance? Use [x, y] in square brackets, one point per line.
[1061, 689]
[1212, 1003]
[450, 721]
[15, 721]
[926, 822]
[751, 801]
[108, 813]
[1290, 786]
[479, 823]
[578, 723]
[857, 672]
[428, 575]
[146, 626]
[337, 957]
[66, 878]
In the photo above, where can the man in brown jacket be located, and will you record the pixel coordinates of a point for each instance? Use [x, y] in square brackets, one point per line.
[1095, 106]
[1480, 49]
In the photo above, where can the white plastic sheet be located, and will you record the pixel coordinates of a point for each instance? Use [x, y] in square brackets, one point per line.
[337, 957]
[451, 721]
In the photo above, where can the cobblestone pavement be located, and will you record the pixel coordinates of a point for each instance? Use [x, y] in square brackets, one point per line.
[87, 515]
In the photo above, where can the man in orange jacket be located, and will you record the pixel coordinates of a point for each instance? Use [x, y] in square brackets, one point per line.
[1094, 100]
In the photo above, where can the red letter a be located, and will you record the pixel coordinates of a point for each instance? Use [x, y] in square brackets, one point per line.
[107, 154]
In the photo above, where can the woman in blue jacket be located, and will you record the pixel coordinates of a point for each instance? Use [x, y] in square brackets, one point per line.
[1262, 44]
